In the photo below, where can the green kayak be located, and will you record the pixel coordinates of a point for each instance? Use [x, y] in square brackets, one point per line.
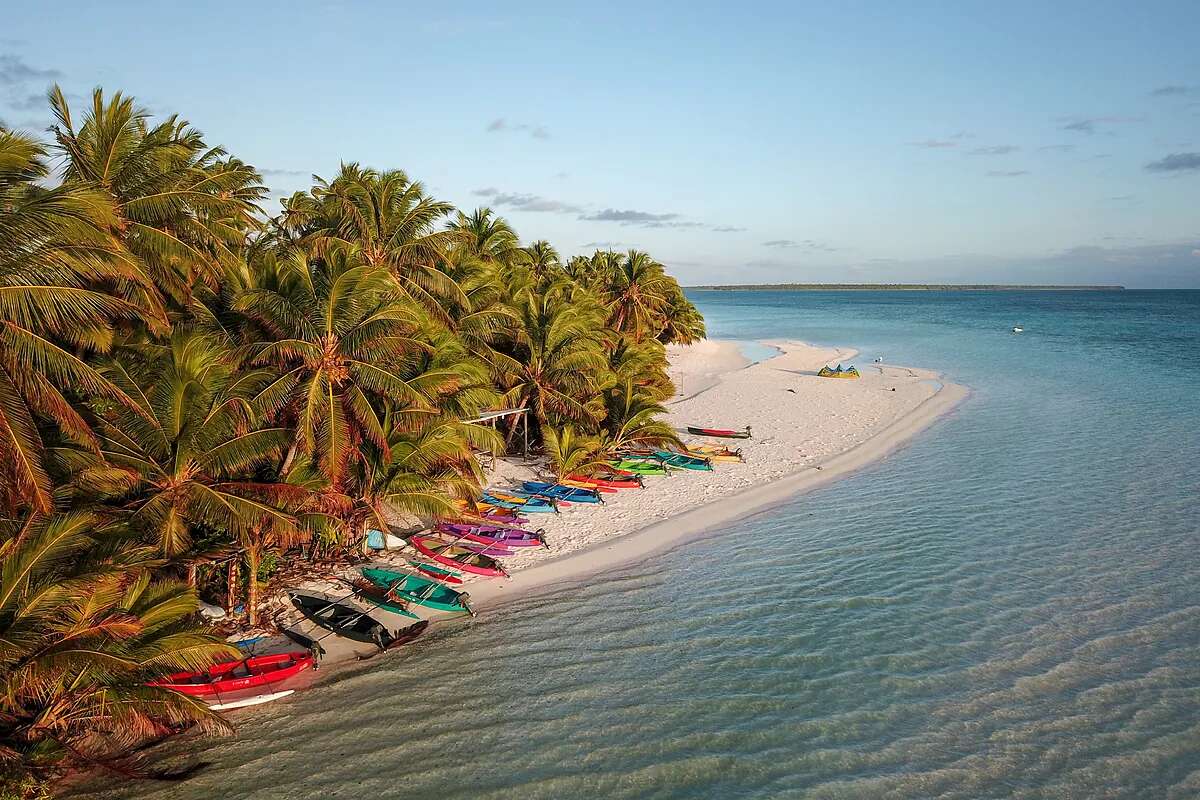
[640, 467]
[416, 589]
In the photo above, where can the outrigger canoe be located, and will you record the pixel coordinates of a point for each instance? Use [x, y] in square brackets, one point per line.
[515, 495]
[415, 589]
[720, 433]
[460, 558]
[606, 483]
[557, 491]
[683, 461]
[235, 676]
[488, 547]
[349, 622]
[532, 505]
[437, 573]
[715, 452]
[497, 535]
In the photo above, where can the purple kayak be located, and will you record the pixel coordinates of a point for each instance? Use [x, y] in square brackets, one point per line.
[483, 548]
[501, 535]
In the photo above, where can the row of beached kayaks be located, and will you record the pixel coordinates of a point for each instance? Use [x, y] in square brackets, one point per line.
[441, 558]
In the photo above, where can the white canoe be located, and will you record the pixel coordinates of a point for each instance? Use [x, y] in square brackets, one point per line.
[256, 700]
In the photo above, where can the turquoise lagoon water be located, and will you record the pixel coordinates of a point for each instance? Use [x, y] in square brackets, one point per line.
[1007, 608]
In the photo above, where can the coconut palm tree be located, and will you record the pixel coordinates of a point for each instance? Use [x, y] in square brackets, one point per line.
[61, 284]
[571, 452]
[84, 626]
[181, 461]
[489, 238]
[637, 294]
[389, 218]
[560, 356]
[342, 342]
[633, 419]
[183, 209]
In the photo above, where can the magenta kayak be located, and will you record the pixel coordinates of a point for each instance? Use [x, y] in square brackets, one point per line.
[493, 534]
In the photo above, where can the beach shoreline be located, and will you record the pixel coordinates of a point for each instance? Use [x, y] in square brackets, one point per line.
[719, 365]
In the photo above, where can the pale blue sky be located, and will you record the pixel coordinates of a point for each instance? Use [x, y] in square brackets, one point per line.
[753, 142]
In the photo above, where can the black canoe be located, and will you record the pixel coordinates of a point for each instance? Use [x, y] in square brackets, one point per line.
[349, 622]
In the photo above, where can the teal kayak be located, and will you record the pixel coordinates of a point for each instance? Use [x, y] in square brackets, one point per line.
[683, 461]
[415, 589]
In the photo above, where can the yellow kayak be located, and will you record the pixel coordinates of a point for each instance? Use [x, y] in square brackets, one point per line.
[715, 453]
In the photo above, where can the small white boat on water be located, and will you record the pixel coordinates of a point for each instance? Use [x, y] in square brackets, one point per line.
[230, 703]
[1018, 329]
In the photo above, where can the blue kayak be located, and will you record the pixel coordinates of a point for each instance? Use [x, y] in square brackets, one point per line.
[571, 494]
[533, 505]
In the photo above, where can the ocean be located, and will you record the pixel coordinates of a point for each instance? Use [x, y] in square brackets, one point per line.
[1008, 607]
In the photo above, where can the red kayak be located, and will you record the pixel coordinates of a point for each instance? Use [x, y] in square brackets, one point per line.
[234, 676]
[458, 557]
[720, 433]
[610, 484]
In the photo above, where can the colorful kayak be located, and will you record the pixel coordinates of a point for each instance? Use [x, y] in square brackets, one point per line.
[437, 573]
[493, 535]
[715, 452]
[245, 702]
[460, 558]
[233, 676]
[720, 433]
[415, 589]
[346, 621]
[556, 491]
[683, 461]
[523, 497]
[484, 548]
[641, 467]
[610, 483]
[532, 505]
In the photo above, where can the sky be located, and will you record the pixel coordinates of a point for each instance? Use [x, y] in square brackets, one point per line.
[965, 142]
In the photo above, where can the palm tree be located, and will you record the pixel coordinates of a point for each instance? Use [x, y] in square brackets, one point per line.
[682, 322]
[634, 420]
[559, 354]
[84, 626]
[181, 461]
[489, 238]
[61, 281]
[389, 218]
[342, 342]
[183, 209]
[637, 292]
[571, 452]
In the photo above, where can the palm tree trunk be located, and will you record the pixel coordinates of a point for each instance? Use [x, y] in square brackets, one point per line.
[231, 579]
[252, 559]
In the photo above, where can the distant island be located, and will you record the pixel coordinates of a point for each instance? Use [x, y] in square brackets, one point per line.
[901, 287]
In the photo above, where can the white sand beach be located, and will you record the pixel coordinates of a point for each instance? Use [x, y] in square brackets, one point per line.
[806, 431]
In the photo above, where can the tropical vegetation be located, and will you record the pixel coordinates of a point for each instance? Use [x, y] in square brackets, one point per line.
[186, 379]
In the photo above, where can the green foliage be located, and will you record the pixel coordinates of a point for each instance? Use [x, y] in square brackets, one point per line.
[182, 375]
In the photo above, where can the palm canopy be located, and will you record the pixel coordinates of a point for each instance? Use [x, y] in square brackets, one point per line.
[59, 268]
[183, 208]
[181, 461]
[343, 347]
[561, 361]
[389, 217]
[83, 628]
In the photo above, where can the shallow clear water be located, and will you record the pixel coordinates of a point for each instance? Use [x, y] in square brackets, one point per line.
[1006, 608]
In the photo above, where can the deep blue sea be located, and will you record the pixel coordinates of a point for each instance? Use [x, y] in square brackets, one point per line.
[1009, 607]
